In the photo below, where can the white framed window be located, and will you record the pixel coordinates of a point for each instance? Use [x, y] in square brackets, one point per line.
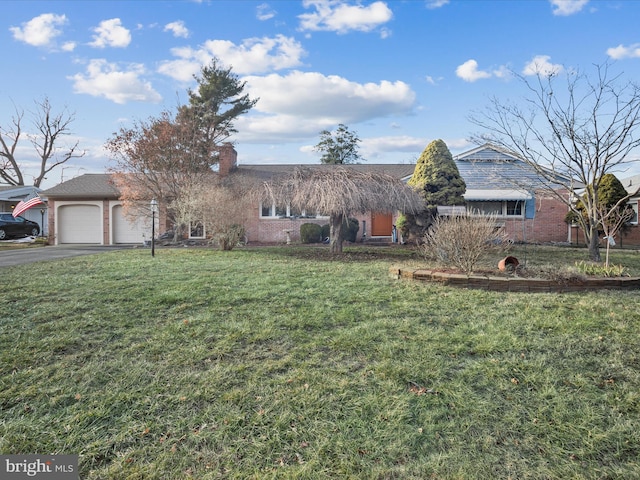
[196, 230]
[505, 208]
[634, 205]
[280, 211]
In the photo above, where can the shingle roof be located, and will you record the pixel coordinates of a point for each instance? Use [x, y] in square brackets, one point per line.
[487, 168]
[484, 168]
[90, 185]
[266, 172]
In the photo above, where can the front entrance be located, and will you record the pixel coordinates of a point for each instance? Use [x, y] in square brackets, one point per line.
[381, 224]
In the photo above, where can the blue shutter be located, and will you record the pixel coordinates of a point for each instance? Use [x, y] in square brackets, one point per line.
[530, 208]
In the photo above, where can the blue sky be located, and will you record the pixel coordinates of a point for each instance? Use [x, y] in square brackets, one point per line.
[398, 73]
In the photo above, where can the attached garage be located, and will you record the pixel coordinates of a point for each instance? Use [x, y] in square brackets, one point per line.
[127, 231]
[79, 223]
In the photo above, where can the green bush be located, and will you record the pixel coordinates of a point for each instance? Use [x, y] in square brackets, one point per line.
[310, 233]
[326, 230]
[350, 229]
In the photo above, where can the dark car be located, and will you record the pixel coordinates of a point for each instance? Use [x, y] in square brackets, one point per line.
[17, 227]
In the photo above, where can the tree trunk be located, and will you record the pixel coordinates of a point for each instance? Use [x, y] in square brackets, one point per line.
[594, 244]
[335, 233]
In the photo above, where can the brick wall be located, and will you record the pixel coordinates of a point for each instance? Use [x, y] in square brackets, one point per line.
[273, 230]
[547, 226]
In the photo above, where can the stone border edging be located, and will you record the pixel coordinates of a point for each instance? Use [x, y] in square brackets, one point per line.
[516, 284]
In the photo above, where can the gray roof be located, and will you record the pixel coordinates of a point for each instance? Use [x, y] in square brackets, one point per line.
[266, 172]
[89, 185]
[484, 168]
[488, 168]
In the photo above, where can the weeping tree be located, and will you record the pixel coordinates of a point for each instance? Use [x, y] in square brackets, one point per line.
[340, 192]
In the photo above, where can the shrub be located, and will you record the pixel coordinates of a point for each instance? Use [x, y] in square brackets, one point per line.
[326, 230]
[229, 237]
[462, 241]
[350, 229]
[310, 233]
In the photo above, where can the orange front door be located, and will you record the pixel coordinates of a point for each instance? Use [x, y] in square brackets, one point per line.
[381, 224]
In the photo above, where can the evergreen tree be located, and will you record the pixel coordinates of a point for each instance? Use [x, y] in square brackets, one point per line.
[437, 180]
[436, 177]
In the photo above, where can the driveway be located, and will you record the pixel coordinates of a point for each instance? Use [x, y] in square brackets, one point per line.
[22, 256]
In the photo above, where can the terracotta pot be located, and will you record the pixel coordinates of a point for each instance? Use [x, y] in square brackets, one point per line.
[508, 264]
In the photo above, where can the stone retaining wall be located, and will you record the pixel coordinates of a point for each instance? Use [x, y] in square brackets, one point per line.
[516, 284]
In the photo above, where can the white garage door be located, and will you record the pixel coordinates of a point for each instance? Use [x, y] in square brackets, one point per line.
[125, 231]
[79, 224]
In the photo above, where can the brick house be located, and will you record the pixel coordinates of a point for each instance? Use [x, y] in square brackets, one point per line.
[86, 209]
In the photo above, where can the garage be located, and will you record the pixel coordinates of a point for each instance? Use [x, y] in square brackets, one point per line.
[79, 223]
[126, 231]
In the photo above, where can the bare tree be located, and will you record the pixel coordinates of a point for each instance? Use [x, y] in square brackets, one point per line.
[158, 159]
[223, 206]
[614, 219]
[340, 192]
[571, 136]
[49, 128]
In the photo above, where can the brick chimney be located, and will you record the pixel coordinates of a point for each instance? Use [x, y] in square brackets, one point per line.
[228, 159]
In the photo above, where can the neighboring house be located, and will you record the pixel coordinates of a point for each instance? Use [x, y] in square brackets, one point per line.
[86, 209]
[10, 196]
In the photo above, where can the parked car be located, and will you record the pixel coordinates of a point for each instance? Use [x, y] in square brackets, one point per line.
[17, 227]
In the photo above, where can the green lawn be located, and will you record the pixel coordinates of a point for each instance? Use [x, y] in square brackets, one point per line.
[285, 363]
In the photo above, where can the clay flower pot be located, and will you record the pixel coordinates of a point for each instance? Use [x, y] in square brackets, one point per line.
[508, 264]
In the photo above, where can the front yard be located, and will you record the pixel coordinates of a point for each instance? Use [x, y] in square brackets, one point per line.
[286, 363]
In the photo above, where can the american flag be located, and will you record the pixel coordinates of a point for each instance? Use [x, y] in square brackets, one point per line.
[30, 201]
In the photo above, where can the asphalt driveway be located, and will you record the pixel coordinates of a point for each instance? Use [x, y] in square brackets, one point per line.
[22, 256]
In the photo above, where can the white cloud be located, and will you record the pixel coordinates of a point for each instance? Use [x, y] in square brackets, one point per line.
[540, 65]
[301, 104]
[177, 28]
[402, 143]
[265, 12]
[69, 46]
[111, 33]
[469, 72]
[254, 55]
[567, 7]
[432, 4]
[622, 51]
[40, 31]
[337, 16]
[103, 79]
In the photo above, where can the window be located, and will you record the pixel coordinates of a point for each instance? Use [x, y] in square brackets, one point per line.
[196, 230]
[634, 219]
[279, 211]
[273, 211]
[514, 208]
[509, 208]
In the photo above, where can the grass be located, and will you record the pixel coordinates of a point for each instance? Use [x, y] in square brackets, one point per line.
[285, 363]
